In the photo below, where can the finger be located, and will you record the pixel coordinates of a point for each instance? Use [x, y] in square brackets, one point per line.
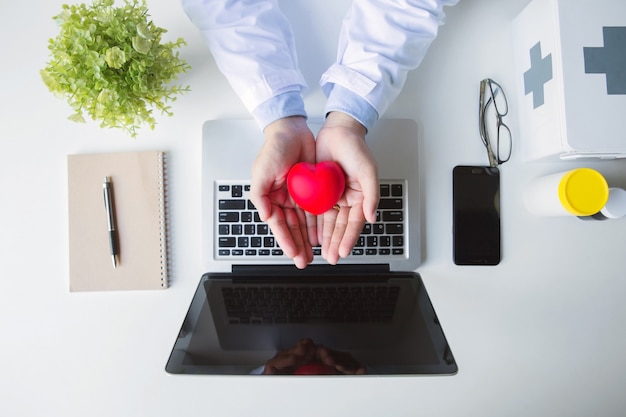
[324, 356]
[371, 195]
[307, 247]
[296, 223]
[312, 229]
[262, 204]
[259, 195]
[353, 230]
[351, 370]
[306, 349]
[270, 370]
[283, 363]
[282, 234]
[328, 226]
[341, 223]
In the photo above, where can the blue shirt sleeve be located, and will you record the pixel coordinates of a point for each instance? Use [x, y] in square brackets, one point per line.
[346, 101]
[282, 105]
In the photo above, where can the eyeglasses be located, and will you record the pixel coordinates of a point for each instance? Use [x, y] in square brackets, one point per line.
[493, 107]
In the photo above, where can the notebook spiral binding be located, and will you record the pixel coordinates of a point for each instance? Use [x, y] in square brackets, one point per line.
[164, 220]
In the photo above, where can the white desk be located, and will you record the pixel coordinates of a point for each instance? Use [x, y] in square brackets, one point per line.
[540, 334]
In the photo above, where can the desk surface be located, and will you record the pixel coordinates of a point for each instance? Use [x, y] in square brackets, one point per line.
[540, 334]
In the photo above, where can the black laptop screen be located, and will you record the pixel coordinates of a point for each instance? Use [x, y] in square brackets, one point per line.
[314, 323]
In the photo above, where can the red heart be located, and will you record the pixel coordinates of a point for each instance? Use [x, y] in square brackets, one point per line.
[315, 368]
[316, 187]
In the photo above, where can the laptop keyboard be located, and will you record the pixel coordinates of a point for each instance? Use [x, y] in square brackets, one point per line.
[242, 234]
[319, 304]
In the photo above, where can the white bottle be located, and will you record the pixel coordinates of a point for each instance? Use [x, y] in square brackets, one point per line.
[614, 208]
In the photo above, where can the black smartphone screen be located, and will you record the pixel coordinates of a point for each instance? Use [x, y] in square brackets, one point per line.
[476, 215]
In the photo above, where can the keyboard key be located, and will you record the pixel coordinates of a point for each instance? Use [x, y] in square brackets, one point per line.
[237, 191]
[385, 190]
[232, 204]
[392, 216]
[396, 190]
[390, 203]
[229, 217]
[224, 229]
[394, 228]
[227, 242]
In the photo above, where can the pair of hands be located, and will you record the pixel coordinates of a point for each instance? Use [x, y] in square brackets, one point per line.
[306, 352]
[289, 141]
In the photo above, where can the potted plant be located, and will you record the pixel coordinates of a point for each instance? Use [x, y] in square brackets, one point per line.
[110, 64]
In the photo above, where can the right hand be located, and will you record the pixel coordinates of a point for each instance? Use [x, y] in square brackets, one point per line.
[287, 142]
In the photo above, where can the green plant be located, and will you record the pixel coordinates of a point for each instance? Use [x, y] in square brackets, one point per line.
[109, 62]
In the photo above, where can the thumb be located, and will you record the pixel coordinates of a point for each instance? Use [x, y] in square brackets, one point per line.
[371, 193]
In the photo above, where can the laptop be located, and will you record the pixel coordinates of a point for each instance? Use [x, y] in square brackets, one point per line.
[254, 303]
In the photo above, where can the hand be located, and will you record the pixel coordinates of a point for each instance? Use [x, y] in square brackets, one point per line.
[287, 142]
[342, 139]
[306, 352]
[287, 361]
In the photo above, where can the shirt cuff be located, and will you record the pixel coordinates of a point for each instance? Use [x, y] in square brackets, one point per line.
[346, 101]
[280, 106]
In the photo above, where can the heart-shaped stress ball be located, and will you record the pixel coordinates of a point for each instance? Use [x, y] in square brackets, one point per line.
[315, 368]
[316, 187]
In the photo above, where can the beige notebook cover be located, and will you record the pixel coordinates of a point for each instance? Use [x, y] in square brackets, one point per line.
[139, 203]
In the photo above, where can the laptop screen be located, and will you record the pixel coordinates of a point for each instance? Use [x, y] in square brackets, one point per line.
[323, 320]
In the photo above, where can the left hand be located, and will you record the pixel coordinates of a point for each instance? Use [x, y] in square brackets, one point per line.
[342, 139]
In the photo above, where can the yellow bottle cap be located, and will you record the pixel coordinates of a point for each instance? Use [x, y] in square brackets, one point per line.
[583, 191]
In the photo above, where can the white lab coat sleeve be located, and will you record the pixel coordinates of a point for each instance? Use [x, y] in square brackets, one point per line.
[254, 47]
[379, 43]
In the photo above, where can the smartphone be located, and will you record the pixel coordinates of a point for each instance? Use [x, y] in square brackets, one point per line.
[476, 215]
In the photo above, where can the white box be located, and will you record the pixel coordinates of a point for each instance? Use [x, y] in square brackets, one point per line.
[570, 71]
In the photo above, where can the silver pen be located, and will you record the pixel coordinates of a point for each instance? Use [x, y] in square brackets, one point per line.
[108, 207]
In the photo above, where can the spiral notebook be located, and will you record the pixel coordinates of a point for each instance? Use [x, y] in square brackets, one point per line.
[138, 190]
